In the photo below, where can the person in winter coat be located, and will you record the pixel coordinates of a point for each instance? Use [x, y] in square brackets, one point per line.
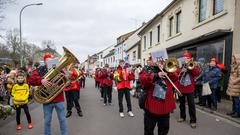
[212, 75]
[159, 101]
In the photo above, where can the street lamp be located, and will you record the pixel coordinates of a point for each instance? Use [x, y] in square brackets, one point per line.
[20, 25]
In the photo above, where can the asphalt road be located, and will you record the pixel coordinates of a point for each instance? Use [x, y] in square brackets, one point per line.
[105, 120]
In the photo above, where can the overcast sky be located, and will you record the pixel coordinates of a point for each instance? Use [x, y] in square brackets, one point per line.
[83, 26]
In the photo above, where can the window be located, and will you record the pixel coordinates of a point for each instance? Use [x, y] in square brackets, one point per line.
[144, 42]
[158, 33]
[134, 55]
[101, 56]
[218, 6]
[202, 10]
[150, 38]
[170, 26]
[178, 23]
[144, 62]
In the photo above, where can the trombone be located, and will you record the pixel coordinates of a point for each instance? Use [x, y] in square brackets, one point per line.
[170, 65]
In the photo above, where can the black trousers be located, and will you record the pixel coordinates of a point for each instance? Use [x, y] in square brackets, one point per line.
[191, 107]
[107, 94]
[198, 89]
[151, 120]
[97, 84]
[18, 113]
[121, 93]
[206, 101]
[72, 100]
[82, 82]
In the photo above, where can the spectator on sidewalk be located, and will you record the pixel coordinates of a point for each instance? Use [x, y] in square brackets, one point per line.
[198, 84]
[212, 75]
[20, 94]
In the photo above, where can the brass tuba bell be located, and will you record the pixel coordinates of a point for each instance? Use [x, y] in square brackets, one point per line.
[45, 95]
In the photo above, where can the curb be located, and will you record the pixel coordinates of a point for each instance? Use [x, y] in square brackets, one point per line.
[218, 114]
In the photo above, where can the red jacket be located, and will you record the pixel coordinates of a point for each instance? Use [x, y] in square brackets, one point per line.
[106, 78]
[74, 85]
[35, 80]
[190, 88]
[124, 83]
[156, 106]
[97, 75]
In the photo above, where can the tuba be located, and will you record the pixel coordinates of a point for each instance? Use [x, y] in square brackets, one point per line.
[59, 81]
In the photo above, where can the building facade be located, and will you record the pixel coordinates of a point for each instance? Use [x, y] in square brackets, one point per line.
[202, 27]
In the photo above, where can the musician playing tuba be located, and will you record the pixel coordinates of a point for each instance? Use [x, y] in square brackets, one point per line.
[159, 102]
[37, 79]
[186, 85]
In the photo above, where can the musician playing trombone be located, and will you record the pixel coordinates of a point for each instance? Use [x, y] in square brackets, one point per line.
[186, 84]
[159, 101]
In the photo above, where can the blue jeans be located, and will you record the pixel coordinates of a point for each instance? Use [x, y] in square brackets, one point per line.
[214, 97]
[236, 104]
[47, 110]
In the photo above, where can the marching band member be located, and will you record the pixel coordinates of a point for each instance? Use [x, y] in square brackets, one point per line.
[106, 83]
[123, 78]
[186, 85]
[159, 101]
[36, 79]
[72, 92]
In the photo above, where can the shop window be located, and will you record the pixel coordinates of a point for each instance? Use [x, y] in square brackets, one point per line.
[209, 51]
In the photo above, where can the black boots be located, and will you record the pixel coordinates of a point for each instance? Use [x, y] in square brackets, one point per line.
[69, 113]
[80, 114]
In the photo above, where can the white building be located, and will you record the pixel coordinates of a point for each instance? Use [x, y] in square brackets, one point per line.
[119, 48]
[132, 47]
[110, 58]
[203, 27]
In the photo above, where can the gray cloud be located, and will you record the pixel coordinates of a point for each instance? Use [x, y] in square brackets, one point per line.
[83, 26]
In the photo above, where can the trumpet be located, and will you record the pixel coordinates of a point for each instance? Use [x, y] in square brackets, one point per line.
[189, 66]
[170, 65]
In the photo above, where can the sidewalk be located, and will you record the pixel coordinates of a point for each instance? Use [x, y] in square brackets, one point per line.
[223, 107]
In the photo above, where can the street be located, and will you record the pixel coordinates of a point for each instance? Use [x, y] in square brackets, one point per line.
[105, 120]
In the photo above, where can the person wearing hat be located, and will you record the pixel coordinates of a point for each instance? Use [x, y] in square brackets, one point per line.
[212, 75]
[72, 92]
[186, 84]
[159, 102]
[37, 79]
[123, 78]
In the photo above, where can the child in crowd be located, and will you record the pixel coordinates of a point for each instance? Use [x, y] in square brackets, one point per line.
[20, 94]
